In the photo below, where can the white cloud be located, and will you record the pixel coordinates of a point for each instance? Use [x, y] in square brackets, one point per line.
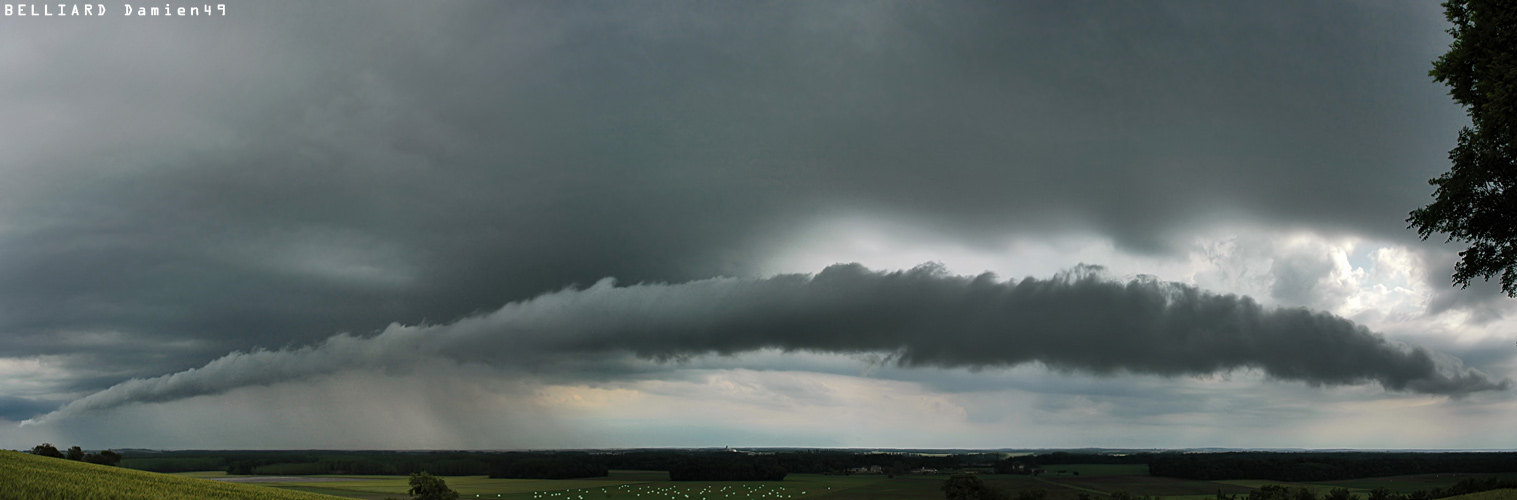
[1380, 283]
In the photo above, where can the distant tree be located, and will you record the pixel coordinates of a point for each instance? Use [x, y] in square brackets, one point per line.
[1476, 200]
[1270, 492]
[969, 487]
[106, 457]
[1123, 495]
[47, 450]
[1032, 494]
[1305, 494]
[549, 468]
[1340, 494]
[425, 486]
[726, 469]
[75, 453]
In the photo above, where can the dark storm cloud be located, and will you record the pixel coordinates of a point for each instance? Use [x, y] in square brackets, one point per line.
[1482, 299]
[297, 169]
[1076, 322]
[17, 409]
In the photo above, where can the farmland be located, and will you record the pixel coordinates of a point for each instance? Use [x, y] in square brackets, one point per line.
[1094, 479]
[1507, 494]
[648, 485]
[1397, 484]
[54, 478]
[630, 485]
[29, 477]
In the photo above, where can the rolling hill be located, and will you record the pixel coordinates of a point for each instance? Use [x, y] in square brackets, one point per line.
[27, 477]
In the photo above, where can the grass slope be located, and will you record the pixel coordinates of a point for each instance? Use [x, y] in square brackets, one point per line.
[1097, 481]
[27, 477]
[620, 485]
[1508, 494]
[1362, 486]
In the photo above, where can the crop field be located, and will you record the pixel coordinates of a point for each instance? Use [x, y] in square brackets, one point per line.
[1147, 485]
[620, 485]
[1397, 484]
[645, 485]
[30, 477]
[1096, 480]
[1488, 495]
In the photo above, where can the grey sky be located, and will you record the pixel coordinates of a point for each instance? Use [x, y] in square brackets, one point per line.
[178, 189]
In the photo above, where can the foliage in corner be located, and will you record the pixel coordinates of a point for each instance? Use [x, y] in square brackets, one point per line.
[1476, 200]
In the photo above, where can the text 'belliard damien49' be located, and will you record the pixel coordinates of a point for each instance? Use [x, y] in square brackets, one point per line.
[66, 10]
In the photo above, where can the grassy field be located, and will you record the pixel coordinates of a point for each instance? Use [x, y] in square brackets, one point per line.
[1096, 480]
[633, 485]
[1488, 495]
[642, 485]
[28, 477]
[1398, 484]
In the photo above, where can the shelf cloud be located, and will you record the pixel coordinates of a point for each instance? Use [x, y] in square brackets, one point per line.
[1077, 321]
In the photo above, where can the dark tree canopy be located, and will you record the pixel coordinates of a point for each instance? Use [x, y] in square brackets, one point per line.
[969, 487]
[425, 486]
[106, 457]
[549, 468]
[727, 469]
[47, 450]
[1476, 200]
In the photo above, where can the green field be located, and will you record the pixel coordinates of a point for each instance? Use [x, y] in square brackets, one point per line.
[1397, 484]
[635, 485]
[643, 485]
[28, 477]
[1488, 495]
[1096, 480]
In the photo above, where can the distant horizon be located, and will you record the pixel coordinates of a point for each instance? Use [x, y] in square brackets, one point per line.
[884, 450]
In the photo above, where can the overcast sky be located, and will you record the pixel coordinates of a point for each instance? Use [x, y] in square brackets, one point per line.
[487, 225]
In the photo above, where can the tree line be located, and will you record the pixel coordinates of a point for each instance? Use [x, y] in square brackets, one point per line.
[550, 464]
[547, 468]
[360, 465]
[1279, 466]
[105, 457]
[1028, 463]
[728, 469]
